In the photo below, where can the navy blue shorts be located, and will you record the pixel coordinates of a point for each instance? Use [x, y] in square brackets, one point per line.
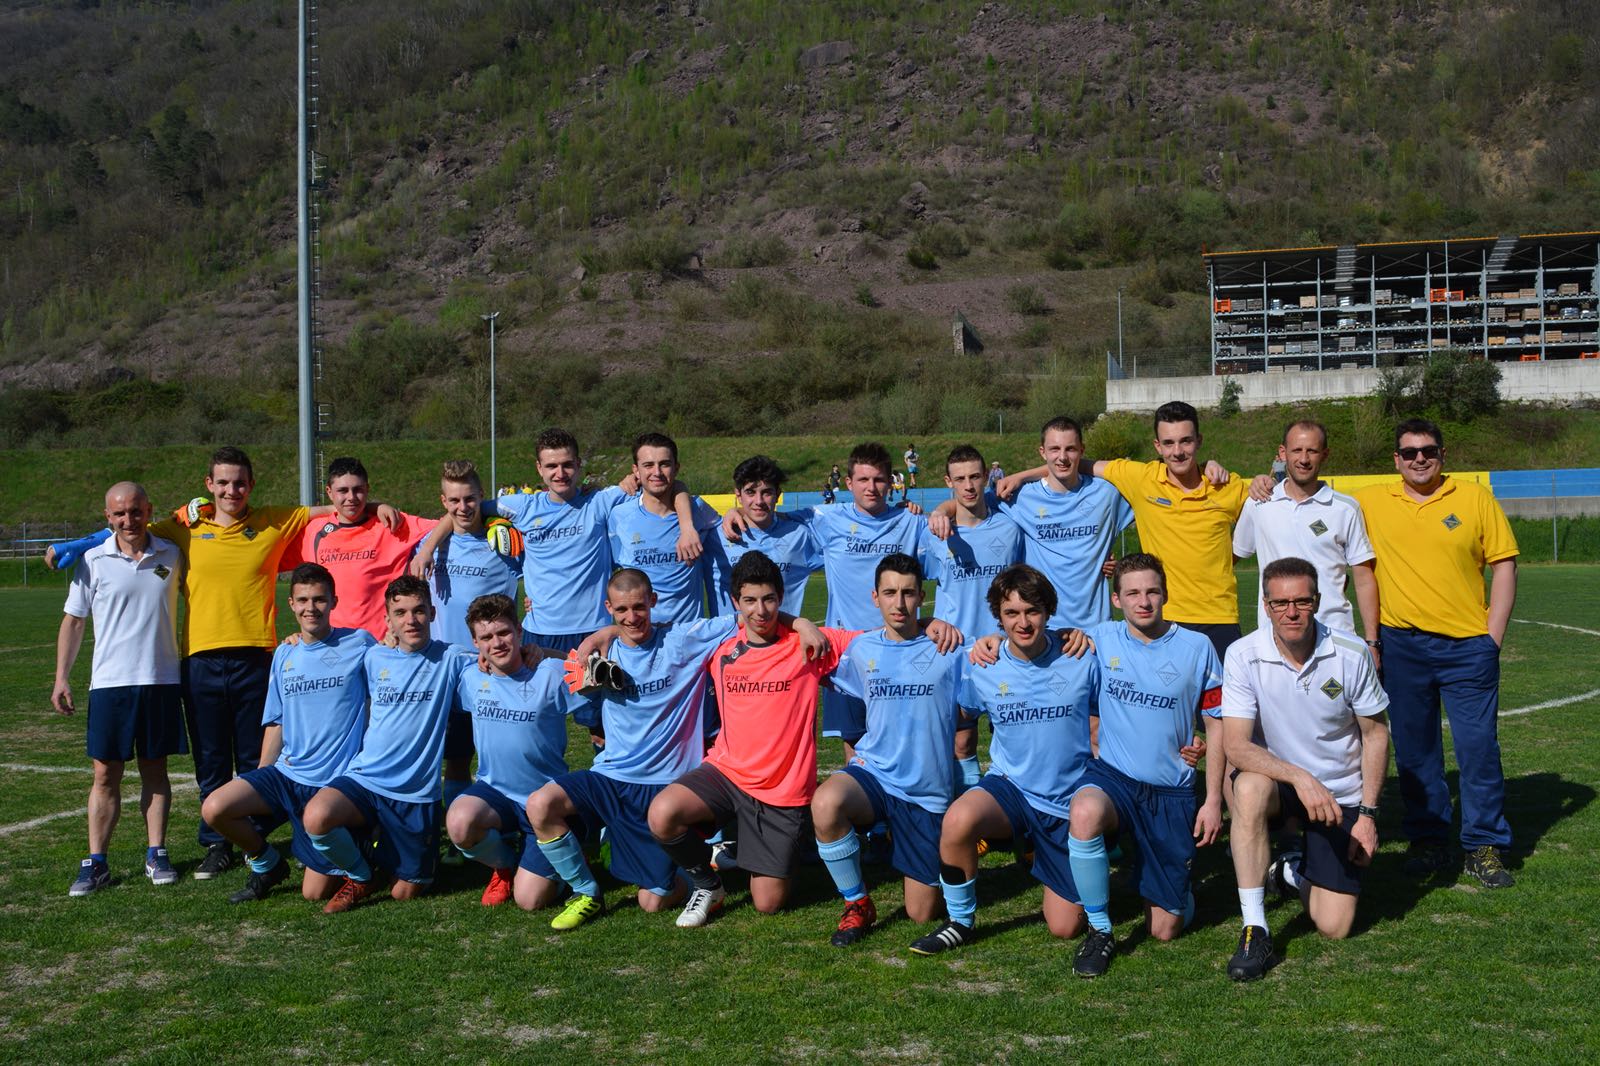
[843, 716]
[1326, 847]
[623, 808]
[147, 719]
[1220, 634]
[913, 830]
[514, 819]
[408, 833]
[1052, 862]
[288, 798]
[1161, 822]
[458, 737]
[588, 716]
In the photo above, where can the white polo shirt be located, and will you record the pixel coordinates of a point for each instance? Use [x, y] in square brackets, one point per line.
[1307, 717]
[1326, 530]
[135, 609]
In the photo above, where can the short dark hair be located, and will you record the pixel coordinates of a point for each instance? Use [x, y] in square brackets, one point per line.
[228, 455]
[1288, 566]
[756, 469]
[1176, 411]
[628, 578]
[406, 585]
[554, 439]
[346, 464]
[311, 574]
[963, 453]
[754, 568]
[495, 607]
[461, 472]
[654, 440]
[1026, 582]
[869, 453]
[898, 563]
[1061, 423]
[1306, 423]
[1137, 562]
[1418, 425]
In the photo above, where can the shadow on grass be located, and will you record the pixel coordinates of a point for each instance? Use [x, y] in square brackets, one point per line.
[1535, 804]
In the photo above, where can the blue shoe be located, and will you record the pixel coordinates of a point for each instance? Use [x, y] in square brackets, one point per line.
[92, 876]
[159, 869]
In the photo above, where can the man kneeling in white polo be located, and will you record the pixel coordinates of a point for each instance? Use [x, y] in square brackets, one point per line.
[1302, 721]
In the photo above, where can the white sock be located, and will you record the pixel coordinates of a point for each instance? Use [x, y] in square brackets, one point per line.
[1253, 906]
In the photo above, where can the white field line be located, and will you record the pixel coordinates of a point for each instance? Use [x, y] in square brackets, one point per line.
[1547, 704]
[180, 783]
[1558, 625]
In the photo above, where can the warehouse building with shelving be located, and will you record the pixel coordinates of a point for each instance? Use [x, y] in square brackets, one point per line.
[1522, 299]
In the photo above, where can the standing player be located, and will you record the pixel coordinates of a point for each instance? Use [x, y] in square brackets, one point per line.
[901, 774]
[645, 532]
[519, 721]
[1434, 535]
[315, 716]
[392, 784]
[788, 542]
[130, 585]
[1303, 725]
[1155, 678]
[1305, 518]
[911, 457]
[1039, 702]
[762, 770]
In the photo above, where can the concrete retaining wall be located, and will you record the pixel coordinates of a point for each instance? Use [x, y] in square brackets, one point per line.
[1563, 381]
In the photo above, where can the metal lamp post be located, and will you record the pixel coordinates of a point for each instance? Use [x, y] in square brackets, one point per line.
[494, 479]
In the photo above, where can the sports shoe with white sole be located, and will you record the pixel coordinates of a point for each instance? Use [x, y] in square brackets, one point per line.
[947, 936]
[1279, 879]
[703, 905]
[92, 877]
[159, 869]
[219, 860]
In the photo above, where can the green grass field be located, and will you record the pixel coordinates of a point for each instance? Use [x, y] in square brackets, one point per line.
[1440, 972]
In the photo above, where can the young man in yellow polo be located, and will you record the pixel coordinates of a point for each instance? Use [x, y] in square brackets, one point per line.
[1433, 535]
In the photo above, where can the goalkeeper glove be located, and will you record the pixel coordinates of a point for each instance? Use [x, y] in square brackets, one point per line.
[193, 511]
[503, 537]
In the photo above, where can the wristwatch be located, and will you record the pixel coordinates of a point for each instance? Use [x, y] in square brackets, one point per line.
[1370, 812]
[1375, 644]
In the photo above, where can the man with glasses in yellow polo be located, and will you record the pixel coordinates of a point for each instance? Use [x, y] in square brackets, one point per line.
[1433, 535]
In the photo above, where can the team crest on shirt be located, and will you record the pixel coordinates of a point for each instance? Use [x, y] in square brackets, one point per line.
[1319, 527]
[1005, 689]
[1060, 685]
[483, 686]
[1167, 673]
[1114, 663]
[1040, 512]
[1451, 521]
[872, 665]
[1331, 688]
[249, 534]
[924, 658]
[329, 527]
[288, 664]
[163, 573]
[330, 658]
[383, 675]
[854, 528]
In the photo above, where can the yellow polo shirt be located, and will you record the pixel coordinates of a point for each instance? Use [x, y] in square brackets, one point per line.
[1191, 533]
[1431, 555]
[230, 576]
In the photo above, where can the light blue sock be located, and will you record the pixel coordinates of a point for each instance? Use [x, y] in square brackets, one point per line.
[264, 862]
[492, 851]
[961, 901]
[842, 857]
[566, 855]
[1091, 872]
[341, 849]
[970, 772]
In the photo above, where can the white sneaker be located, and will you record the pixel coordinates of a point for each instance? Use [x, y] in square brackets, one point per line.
[703, 905]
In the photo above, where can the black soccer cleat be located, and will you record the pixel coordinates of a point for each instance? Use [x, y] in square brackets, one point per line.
[1254, 956]
[947, 936]
[1094, 954]
[257, 886]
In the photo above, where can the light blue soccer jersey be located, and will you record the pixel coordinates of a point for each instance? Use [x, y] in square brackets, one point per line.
[566, 557]
[519, 726]
[965, 566]
[464, 568]
[790, 544]
[1067, 536]
[655, 731]
[910, 691]
[1040, 710]
[318, 695]
[412, 694]
[1149, 695]
[853, 543]
[649, 542]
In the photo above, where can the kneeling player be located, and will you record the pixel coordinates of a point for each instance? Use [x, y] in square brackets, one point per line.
[762, 770]
[902, 772]
[392, 785]
[1155, 676]
[654, 735]
[1038, 701]
[315, 714]
[519, 727]
[1313, 696]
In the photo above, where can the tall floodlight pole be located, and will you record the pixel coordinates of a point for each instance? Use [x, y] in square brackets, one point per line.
[308, 446]
[494, 480]
[1119, 329]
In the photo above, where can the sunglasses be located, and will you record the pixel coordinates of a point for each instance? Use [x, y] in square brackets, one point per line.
[1427, 451]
